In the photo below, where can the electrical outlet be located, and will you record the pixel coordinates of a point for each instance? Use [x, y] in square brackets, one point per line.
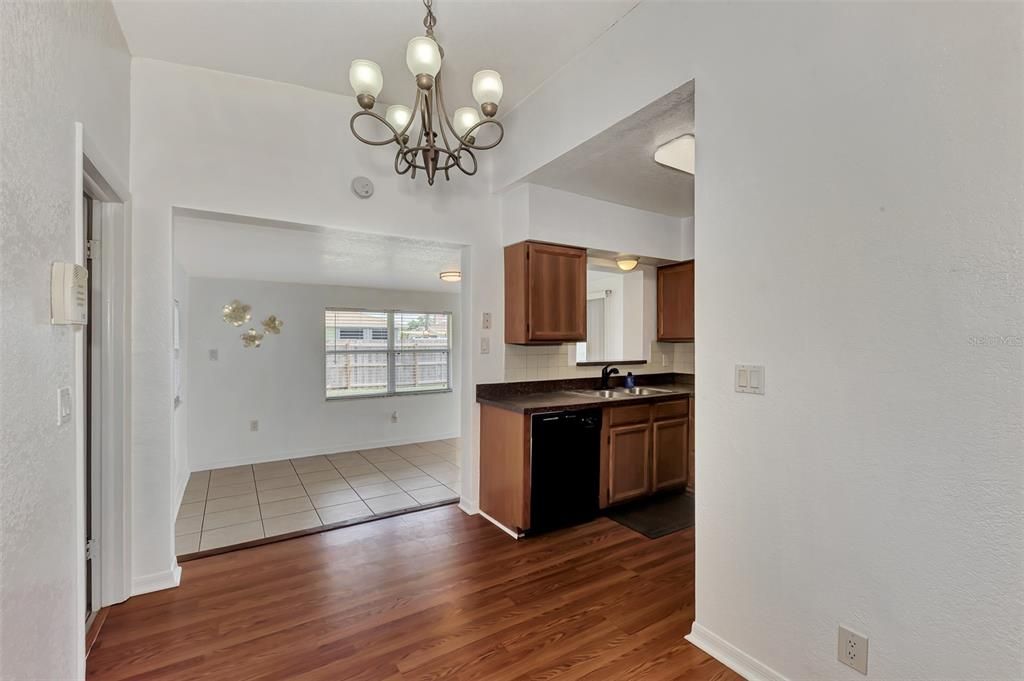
[254, 426]
[853, 650]
[485, 345]
[214, 355]
[394, 417]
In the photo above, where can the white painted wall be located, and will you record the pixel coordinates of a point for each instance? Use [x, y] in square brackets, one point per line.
[60, 62]
[858, 215]
[213, 141]
[531, 211]
[281, 383]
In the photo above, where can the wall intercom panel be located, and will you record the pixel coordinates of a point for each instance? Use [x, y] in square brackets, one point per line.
[69, 294]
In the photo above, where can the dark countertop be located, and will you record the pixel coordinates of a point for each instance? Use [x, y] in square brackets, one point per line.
[562, 400]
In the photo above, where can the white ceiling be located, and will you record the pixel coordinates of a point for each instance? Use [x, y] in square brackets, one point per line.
[617, 165]
[237, 248]
[312, 42]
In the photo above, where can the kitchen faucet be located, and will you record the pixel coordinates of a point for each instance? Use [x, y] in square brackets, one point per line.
[606, 374]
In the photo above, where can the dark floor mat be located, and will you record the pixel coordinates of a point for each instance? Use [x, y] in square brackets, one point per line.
[656, 517]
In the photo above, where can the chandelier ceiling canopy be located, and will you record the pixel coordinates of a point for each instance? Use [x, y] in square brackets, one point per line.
[427, 121]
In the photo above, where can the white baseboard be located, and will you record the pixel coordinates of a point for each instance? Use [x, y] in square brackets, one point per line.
[158, 581]
[731, 656]
[298, 454]
[509, 532]
[468, 506]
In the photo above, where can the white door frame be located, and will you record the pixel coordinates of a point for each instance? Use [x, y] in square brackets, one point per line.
[112, 521]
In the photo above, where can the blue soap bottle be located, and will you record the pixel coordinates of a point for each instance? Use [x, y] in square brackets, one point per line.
[630, 380]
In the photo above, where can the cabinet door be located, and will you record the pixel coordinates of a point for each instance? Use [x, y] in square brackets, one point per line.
[671, 449]
[675, 302]
[557, 309]
[629, 470]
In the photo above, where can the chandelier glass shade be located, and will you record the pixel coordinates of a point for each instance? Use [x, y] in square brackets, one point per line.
[427, 139]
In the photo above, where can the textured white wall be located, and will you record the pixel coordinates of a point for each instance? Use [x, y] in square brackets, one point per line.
[858, 227]
[60, 62]
[281, 384]
[213, 141]
[531, 211]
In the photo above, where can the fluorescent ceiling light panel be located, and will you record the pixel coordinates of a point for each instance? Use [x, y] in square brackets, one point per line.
[678, 154]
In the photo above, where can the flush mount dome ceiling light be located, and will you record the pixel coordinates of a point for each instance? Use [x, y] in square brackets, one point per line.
[678, 154]
[433, 151]
[627, 263]
[451, 276]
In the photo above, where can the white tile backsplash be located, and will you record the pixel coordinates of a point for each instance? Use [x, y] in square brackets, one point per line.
[552, 362]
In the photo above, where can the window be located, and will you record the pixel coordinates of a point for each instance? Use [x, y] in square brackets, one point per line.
[373, 353]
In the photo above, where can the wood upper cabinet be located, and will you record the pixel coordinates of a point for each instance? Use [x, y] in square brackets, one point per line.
[629, 472]
[545, 293]
[675, 302]
[670, 443]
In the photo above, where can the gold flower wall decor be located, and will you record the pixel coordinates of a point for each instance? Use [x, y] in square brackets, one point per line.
[237, 313]
[272, 325]
[252, 338]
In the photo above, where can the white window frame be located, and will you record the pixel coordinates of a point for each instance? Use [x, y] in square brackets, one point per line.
[391, 353]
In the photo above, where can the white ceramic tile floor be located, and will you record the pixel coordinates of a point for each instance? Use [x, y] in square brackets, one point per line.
[239, 504]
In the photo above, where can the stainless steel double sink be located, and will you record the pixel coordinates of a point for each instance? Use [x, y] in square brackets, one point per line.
[618, 393]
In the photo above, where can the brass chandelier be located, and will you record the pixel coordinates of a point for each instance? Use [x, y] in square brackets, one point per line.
[433, 152]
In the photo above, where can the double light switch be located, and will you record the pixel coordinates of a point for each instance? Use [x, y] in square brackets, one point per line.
[750, 379]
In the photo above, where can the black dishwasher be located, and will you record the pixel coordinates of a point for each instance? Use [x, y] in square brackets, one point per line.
[565, 460]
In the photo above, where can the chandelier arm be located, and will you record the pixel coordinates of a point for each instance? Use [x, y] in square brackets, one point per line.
[378, 117]
[444, 114]
[412, 116]
[457, 156]
[484, 147]
[400, 156]
[419, 143]
[410, 154]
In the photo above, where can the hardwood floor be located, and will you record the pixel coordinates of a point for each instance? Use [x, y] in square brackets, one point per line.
[426, 596]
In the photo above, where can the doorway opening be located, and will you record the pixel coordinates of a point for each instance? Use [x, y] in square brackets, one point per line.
[317, 375]
[90, 408]
[102, 390]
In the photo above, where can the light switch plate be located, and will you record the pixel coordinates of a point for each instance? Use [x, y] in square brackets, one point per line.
[485, 345]
[486, 320]
[214, 355]
[63, 406]
[750, 379]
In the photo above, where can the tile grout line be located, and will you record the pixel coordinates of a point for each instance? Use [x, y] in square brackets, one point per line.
[309, 496]
[259, 508]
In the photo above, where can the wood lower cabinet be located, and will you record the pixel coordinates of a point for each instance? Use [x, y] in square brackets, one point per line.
[505, 467]
[545, 293]
[691, 475]
[675, 302]
[670, 443]
[629, 462]
[646, 450]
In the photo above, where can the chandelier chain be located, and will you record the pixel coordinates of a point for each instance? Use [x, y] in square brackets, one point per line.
[429, 21]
